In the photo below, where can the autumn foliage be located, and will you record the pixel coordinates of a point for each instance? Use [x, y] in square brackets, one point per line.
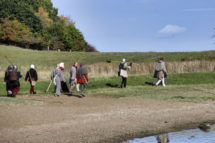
[13, 30]
[35, 24]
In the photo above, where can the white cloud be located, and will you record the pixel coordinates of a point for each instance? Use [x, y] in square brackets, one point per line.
[200, 9]
[171, 30]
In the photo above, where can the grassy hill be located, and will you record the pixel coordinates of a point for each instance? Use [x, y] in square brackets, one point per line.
[51, 58]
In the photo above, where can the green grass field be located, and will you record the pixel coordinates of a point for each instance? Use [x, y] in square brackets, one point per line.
[50, 58]
[187, 86]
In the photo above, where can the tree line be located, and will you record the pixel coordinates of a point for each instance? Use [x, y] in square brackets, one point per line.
[35, 24]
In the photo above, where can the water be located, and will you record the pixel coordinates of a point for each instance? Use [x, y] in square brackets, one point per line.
[185, 136]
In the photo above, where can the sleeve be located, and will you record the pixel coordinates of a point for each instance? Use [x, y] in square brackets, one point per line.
[52, 75]
[62, 76]
[126, 66]
[86, 76]
[164, 70]
[5, 77]
[71, 73]
[26, 76]
[36, 77]
[19, 75]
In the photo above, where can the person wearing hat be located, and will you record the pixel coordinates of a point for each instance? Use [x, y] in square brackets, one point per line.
[82, 79]
[57, 76]
[6, 81]
[73, 77]
[16, 84]
[31, 75]
[160, 72]
[123, 66]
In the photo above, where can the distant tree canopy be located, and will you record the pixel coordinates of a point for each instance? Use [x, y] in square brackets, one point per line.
[35, 24]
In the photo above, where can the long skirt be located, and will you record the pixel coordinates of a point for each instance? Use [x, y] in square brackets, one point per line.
[58, 86]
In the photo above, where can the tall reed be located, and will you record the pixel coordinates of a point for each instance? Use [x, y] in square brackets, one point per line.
[111, 69]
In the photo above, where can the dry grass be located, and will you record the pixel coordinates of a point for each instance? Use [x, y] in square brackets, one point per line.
[110, 69]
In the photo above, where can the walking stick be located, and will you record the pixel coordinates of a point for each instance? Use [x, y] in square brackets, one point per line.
[9, 61]
[119, 62]
[12, 64]
[49, 86]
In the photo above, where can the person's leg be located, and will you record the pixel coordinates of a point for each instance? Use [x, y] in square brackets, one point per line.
[77, 87]
[158, 82]
[163, 81]
[17, 89]
[125, 82]
[70, 89]
[122, 82]
[72, 84]
[33, 90]
[85, 87]
[58, 86]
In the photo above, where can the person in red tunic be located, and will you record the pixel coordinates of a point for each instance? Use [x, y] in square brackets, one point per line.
[82, 79]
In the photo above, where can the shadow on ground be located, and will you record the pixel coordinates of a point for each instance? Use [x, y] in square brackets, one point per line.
[112, 85]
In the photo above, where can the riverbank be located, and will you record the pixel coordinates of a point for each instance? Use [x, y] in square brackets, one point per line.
[90, 119]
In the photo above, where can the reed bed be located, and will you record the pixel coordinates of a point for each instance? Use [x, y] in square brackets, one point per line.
[111, 69]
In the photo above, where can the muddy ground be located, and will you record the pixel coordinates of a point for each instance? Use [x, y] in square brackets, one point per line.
[72, 119]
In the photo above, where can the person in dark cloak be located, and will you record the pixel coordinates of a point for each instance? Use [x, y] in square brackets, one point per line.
[6, 81]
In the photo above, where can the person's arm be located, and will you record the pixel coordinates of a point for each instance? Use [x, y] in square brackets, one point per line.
[86, 76]
[5, 76]
[164, 70]
[52, 75]
[71, 74]
[36, 77]
[62, 76]
[19, 75]
[26, 76]
[126, 66]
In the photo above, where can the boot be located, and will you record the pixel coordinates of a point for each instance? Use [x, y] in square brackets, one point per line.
[82, 94]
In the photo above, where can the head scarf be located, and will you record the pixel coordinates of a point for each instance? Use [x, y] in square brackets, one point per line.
[160, 65]
[15, 68]
[32, 66]
[9, 68]
[62, 65]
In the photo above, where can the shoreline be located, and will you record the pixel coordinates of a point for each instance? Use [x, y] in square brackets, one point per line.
[147, 133]
[71, 119]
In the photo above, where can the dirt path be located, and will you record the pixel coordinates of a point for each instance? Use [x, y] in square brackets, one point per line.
[71, 119]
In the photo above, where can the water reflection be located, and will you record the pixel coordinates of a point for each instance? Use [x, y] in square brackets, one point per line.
[185, 136]
[162, 138]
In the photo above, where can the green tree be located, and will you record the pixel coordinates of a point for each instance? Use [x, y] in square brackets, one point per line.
[23, 13]
[13, 30]
[45, 4]
[77, 38]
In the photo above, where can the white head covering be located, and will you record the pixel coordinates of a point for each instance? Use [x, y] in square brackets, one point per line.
[124, 60]
[62, 65]
[32, 66]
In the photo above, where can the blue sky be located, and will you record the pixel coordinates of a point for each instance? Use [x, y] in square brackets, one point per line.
[143, 25]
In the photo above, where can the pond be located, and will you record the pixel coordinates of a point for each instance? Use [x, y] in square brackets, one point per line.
[184, 136]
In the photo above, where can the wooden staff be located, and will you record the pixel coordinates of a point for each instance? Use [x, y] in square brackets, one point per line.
[49, 86]
[119, 62]
[9, 61]
[13, 65]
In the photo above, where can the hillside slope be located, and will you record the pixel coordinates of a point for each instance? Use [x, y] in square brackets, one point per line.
[51, 58]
